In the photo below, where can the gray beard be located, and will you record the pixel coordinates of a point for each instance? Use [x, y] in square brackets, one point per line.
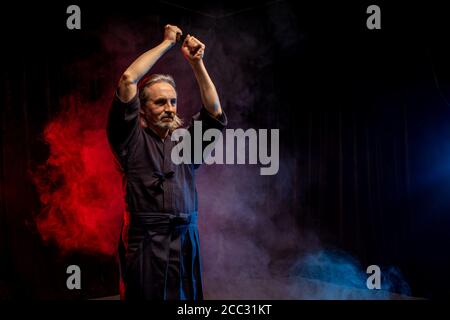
[171, 126]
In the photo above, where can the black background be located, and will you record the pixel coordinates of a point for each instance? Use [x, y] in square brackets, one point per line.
[365, 113]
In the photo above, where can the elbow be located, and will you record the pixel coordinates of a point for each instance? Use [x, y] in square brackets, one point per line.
[127, 79]
[215, 109]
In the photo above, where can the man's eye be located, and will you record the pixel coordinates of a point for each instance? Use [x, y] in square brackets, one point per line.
[174, 102]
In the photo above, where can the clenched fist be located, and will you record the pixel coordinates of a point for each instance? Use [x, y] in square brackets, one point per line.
[171, 33]
[193, 49]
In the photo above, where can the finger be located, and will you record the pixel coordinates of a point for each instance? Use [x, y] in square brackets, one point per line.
[194, 40]
[193, 44]
[186, 40]
[173, 28]
[185, 50]
[179, 34]
[199, 53]
[200, 43]
[197, 41]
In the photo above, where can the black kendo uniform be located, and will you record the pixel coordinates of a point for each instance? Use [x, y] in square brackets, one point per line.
[159, 248]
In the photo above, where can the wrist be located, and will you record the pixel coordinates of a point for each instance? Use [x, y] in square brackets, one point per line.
[168, 43]
[196, 64]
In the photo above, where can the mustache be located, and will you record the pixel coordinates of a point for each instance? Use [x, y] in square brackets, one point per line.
[146, 119]
[167, 115]
[175, 122]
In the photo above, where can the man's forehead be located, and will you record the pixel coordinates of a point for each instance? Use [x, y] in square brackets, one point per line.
[162, 90]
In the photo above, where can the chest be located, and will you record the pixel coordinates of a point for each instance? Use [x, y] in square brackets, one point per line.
[153, 156]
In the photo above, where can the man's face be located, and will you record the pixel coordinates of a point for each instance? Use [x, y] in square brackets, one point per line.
[160, 109]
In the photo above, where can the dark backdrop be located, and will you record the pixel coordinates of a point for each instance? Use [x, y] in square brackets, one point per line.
[363, 117]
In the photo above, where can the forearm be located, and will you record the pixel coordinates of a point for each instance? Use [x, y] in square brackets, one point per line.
[208, 91]
[127, 88]
[145, 62]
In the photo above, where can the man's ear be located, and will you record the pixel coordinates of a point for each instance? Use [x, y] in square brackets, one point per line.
[142, 119]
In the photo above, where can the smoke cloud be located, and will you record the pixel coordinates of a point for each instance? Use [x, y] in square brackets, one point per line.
[79, 186]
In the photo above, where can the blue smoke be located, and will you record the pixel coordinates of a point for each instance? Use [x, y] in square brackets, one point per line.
[335, 275]
[392, 280]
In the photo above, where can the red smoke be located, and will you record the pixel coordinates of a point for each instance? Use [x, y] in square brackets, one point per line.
[79, 185]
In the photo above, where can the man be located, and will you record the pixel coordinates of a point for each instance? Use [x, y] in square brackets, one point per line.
[159, 251]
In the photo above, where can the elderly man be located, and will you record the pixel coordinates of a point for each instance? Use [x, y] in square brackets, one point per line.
[159, 248]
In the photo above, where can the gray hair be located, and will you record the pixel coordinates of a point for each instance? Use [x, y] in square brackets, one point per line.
[152, 79]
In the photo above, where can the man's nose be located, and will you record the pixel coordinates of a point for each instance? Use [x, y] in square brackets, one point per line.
[169, 106]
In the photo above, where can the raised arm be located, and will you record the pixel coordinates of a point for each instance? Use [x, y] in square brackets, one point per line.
[130, 78]
[193, 50]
